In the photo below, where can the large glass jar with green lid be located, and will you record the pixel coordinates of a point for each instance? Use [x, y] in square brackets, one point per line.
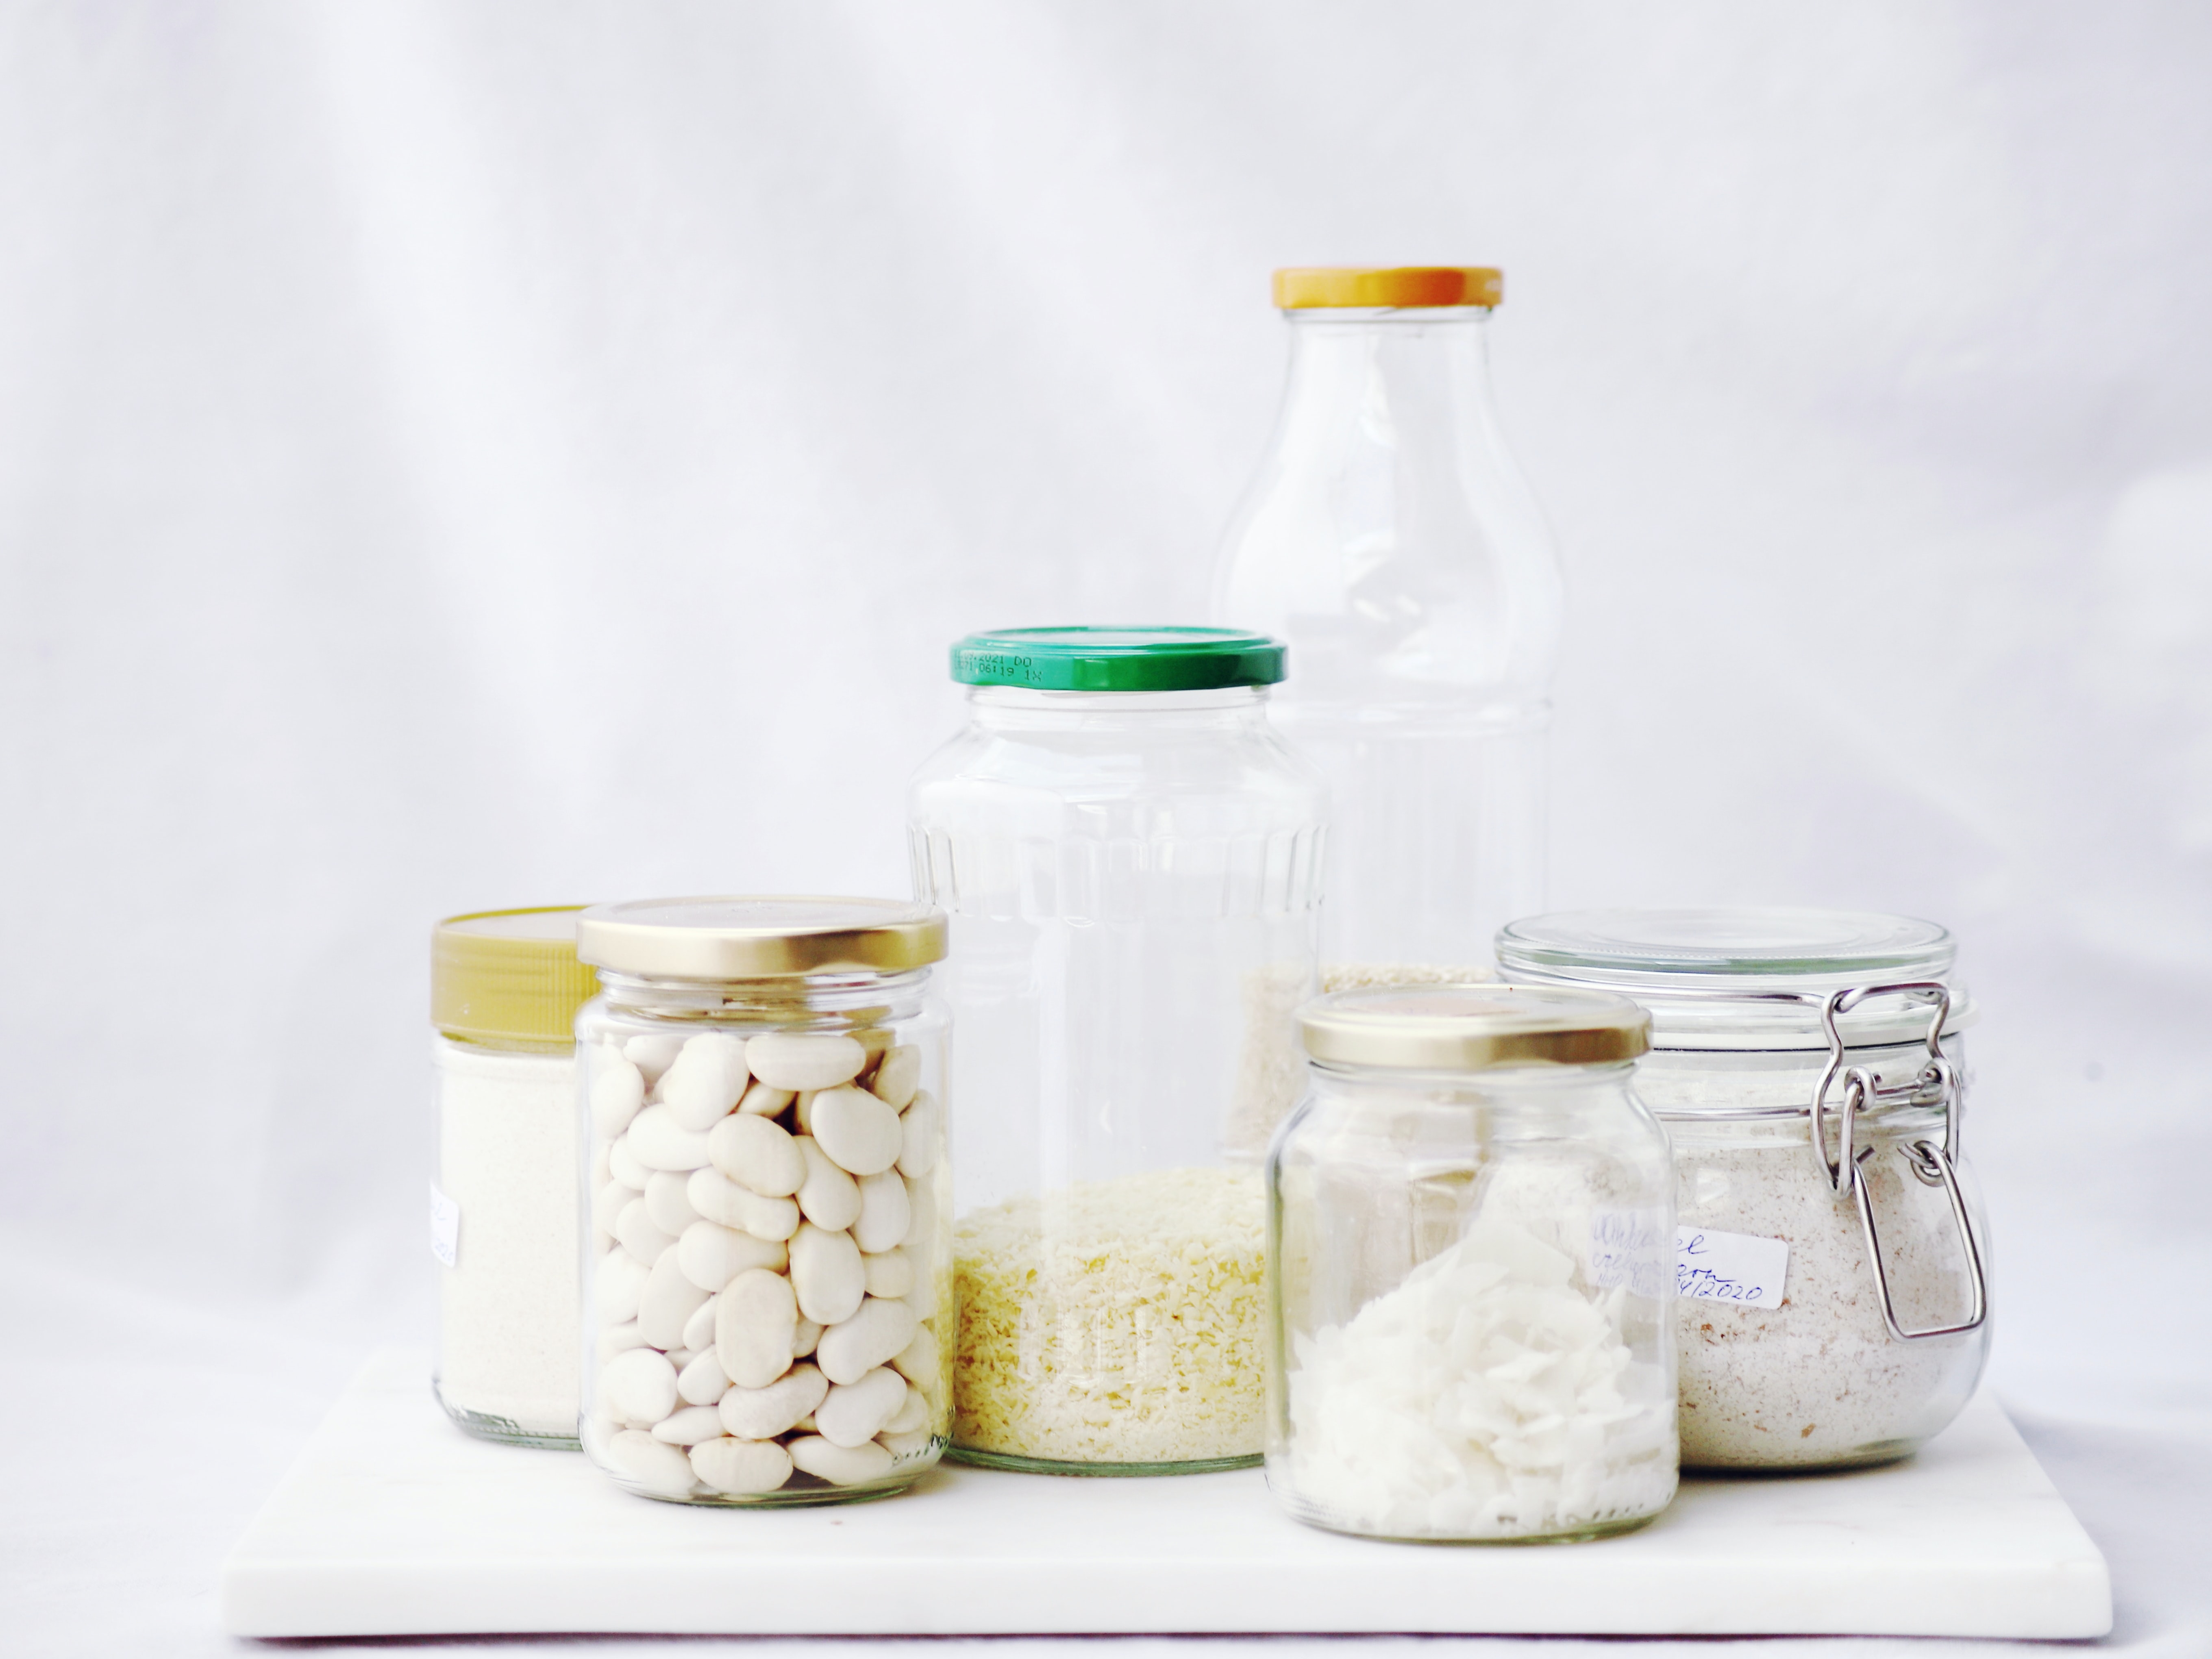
[1129, 857]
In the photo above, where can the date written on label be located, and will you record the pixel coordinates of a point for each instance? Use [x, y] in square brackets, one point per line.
[1738, 1267]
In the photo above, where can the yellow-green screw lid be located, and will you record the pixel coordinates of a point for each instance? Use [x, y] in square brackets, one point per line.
[509, 975]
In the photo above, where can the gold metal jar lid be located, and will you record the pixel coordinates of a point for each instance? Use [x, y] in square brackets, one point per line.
[1319, 288]
[509, 975]
[1472, 1027]
[747, 937]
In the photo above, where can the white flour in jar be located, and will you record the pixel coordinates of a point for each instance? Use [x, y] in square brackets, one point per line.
[507, 1306]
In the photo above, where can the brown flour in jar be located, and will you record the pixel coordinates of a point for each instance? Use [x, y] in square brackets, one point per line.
[1819, 1380]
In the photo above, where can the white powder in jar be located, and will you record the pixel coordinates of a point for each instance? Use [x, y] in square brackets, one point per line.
[1818, 1381]
[1115, 1321]
[1482, 1397]
[507, 1307]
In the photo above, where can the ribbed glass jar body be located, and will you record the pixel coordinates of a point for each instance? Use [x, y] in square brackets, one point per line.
[1391, 542]
[766, 1274]
[1470, 1280]
[1133, 884]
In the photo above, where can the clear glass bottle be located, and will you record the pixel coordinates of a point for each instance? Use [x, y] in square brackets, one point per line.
[767, 1279]
[504, 985]
[1810, 1069]
[1129, 857]
[1391, 542]
[1470, 1245]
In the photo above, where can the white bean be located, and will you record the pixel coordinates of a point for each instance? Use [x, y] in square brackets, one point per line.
[719, 1199]
[622, 1165]
[921, 1135]
[618, 1283]
[619, 1339]
[898, 1076]
[699, 1329]
[664, 1471]
[635, 1228]
[921, 1209]
[688, 1426]
[616, 1093]
[760, 1101]
[889, 1272]
[756, 1317]
[828, 1197]
[666, 1303]
[826, 1274]
[842, 1466]
[658, 1141]
[702, 1381]
[857, 1412]
[885, 1213]
[763, 1414]
[859, 1133]
[759, 1153]
[710, 1256]
[652, 1055]
[904, 1445]
[805, 1059]
[607, 1204]
[880, 1330]
[667, 1203]
[706, 1081]
[810, 1332]
[802, 1110]
[920, 1363]
[679, 1358]
[638, 1388]
[911, 1417]
[741, 1467]
[602, 1172]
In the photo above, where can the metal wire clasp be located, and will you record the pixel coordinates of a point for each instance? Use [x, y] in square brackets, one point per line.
[1938, 1084]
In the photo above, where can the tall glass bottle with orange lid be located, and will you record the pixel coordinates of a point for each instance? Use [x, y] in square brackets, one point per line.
[1391, 542]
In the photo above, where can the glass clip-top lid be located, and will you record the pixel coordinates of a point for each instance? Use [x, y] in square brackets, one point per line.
[1700, 971]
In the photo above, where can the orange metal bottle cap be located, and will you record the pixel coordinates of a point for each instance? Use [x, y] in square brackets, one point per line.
[1315, 288]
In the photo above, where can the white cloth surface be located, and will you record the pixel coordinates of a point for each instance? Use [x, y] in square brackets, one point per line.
[476, 454]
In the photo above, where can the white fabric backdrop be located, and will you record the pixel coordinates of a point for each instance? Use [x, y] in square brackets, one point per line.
[464, 455]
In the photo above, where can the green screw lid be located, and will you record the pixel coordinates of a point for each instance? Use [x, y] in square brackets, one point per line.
[1118, 659]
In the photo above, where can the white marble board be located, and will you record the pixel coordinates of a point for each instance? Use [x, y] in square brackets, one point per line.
[393, 1522]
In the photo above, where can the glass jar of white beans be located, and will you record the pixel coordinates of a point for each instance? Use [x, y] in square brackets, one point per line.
[768, 1282]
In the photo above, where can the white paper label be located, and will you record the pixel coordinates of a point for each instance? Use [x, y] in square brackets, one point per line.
[445, 1226]
[1738, 1267]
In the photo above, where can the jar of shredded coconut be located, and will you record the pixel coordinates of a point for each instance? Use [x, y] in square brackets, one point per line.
[1470, 1235]
[1833, 1256]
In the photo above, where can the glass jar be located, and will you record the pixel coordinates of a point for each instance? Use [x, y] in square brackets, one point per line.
[1834, 1305]
[504, 985]
[768, 1273]
[1391, 542]
[1129, 857]
[1470, 1233]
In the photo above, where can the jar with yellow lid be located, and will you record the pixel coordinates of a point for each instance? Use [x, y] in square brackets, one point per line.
[767, 1275]
[1390, 543]
[505, 986]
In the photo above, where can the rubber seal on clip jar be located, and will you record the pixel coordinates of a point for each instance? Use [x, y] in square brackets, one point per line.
[1118, 659]
[1749, 977]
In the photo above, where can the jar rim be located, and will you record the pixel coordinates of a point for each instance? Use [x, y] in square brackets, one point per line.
[1470, 1028]
[760, 936]
[1745, 977]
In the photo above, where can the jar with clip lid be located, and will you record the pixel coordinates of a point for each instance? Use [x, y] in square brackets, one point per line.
[1833, 1259]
